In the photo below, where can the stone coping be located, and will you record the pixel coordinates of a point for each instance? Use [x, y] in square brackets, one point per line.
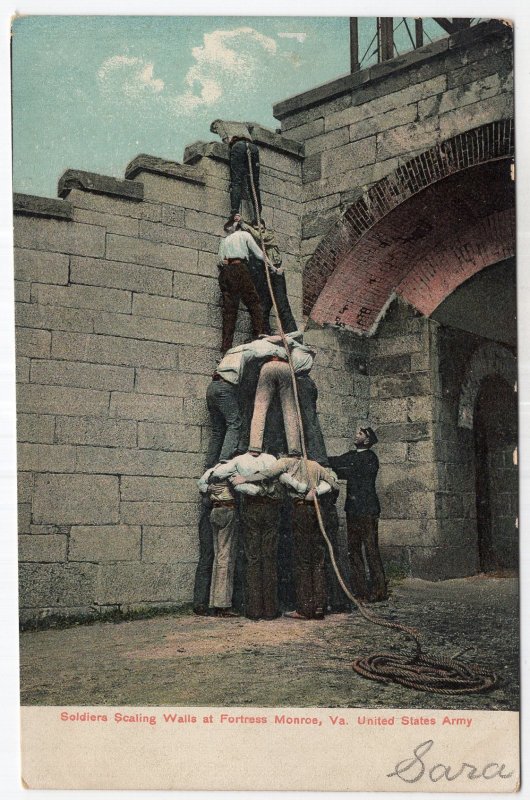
[260, 135]
[100, 184]
[197, 150]
[358, 80]
[42, 206]
[159, 166]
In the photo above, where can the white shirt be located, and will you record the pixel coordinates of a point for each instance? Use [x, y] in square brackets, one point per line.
[232, 365]
[238, 245]
[245, 465]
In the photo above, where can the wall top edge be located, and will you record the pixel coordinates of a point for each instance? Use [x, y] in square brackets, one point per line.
[161, 166]
[35, 206]
[99, 184]
[358, 80]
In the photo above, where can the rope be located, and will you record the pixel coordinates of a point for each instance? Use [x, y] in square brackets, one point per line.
[444, 675]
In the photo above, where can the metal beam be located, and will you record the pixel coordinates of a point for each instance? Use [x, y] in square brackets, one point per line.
[446, 24]
[354, 44]
[418, 23]
[386, 40]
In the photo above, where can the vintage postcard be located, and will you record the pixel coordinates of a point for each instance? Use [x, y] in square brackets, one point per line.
[266, 402]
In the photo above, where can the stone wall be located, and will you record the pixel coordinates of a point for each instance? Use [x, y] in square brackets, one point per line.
[360, 128]
[118, 332]
[402, 410]
[436, 110]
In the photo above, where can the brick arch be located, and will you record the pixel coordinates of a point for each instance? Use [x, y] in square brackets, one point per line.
[490, 359]
[420, 232]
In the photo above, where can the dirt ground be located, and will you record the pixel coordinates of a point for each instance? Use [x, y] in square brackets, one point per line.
[185, 660]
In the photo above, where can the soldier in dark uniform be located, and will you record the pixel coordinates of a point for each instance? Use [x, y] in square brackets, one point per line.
[359, 468]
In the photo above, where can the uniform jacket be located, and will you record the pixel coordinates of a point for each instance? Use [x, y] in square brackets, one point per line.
[359, 468]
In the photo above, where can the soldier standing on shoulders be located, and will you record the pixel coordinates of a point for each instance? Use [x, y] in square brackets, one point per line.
[236, 283]
[277, 275]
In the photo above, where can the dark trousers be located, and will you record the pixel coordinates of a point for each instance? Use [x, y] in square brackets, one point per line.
[236, 284]
[314, 439]
[225, 415]
[279, 287]
[362, 532]
[337, 599]
[260, 542]
[239, 174]
[203, 573]
[286, 593]
[309, 569]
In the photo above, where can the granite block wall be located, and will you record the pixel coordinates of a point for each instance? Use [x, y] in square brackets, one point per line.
[361, 127]
[118, 332]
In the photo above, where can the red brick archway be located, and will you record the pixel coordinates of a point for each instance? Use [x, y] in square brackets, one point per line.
[419, 233]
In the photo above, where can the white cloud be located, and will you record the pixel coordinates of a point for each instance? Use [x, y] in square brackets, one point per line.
[134, 77]
[300, 37]
[226, 62]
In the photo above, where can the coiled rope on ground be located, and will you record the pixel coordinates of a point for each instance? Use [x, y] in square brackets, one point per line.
[448, 676]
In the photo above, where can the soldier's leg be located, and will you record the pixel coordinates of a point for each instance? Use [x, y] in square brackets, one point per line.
[269, 557]
[228, 405]
[282, 301]
[218, 422]
[229, 305]
[264, 393]
[203, 573]
[373, 559]
[254, 159]
[257, 273]
[238, 174]
[302, 562]
[318, 564]
[250, 297]
[314, 439]
[251, 531]
[337, 599]
[225, 540]
[357, 568]
[290, 416]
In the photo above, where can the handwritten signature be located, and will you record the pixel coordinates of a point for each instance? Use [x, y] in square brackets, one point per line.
[412, 770]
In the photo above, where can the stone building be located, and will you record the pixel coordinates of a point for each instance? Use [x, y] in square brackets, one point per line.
[391, 194]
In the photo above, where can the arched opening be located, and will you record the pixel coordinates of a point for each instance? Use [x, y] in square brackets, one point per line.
[418, 234]
[495, 438]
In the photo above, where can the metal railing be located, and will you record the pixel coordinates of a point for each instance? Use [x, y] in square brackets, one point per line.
[396, 35]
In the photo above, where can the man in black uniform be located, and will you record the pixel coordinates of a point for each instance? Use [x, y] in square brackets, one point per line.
[359, 468]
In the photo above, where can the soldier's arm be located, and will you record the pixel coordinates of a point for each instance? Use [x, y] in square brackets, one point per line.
[252, 246]
[341, 464]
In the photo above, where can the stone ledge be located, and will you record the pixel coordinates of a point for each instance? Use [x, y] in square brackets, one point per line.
[197, 150]
[414, 58]
[260, 135]
[276, 141]
[100, 184]
[42, 206]
[159, 166]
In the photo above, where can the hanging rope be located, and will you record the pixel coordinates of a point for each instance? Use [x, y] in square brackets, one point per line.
[444, 675]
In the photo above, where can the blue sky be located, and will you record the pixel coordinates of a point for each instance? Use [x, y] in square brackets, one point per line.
[91, 92]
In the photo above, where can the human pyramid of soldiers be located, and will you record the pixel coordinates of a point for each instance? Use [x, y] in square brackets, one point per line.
[257, 492]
